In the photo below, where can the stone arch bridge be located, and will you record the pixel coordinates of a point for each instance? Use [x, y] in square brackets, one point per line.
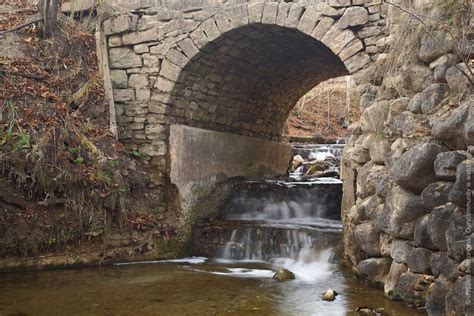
[203, 93]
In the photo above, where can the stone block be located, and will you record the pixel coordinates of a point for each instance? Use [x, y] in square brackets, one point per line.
[123, 57]
[115, 41]
[150, 60]
[143, 94]
[118, 24]
[150, 35]
[188, 47]
[255, 12]
[353, 16]
[124, 95]
[294, 15]
[351, 49]
[323, 26]
[283, 10]
[357, 62]
[138, 81]
[141, 48]
[309, 19]
[270, 12]
[119, 79]
[339, 3]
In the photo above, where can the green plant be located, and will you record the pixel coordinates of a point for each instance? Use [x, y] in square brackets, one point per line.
[79, 161]
[114, 163]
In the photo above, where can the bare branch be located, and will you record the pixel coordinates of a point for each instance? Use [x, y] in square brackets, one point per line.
[453, 62]
[21, 26]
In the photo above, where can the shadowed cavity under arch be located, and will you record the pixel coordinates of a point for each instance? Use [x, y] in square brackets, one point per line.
[247, 80]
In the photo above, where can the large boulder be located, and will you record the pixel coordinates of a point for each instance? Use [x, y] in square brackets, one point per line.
[374, 270]
[396, 270]
[446, 164]
[368, 97]
[442, 264]
[435, 44]
[435, 301]
[429, 98]
[385, 244]
[421, 235]
[418, 260]
[414, 171]
[467, 266]
[367, 179]
[373, 118]
[457, 237]
[367, 208]
[412, 288]
[368, 238]
[457, 78]
[459, 297]
[464, 176]
[455, 127]
[401, 210]
[399, 250]
[440, 66]
[409, 79]
[380, 146]
[438, 222]
[404, 124]
[436, 194]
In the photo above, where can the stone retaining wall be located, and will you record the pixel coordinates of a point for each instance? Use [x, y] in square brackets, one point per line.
[408, 175]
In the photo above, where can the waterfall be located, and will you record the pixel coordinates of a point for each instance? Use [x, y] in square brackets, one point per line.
[290, 224]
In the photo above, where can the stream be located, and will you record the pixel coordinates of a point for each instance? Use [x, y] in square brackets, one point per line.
[289, 223]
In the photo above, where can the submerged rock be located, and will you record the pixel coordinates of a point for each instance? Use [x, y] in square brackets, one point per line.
[329, 295]
[283, 274]
[364, 310]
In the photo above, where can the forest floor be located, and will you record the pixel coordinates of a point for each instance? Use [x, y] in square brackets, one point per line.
[56, 151]
[322, 112]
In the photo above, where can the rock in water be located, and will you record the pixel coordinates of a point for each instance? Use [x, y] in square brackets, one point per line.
[329, 295]
[282, 275]
[364, 310]
[297, 161]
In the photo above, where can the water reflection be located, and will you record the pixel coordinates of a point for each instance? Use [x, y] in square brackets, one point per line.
[182, 289]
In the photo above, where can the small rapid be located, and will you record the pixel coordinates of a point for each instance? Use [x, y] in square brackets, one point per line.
[287, 223]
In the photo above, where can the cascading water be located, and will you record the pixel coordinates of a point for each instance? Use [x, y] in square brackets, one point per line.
[292, 224]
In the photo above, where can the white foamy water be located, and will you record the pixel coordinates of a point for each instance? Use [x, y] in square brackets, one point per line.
[190, 260]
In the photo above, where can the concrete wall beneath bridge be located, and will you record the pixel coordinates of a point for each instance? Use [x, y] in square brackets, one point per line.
[203, 160]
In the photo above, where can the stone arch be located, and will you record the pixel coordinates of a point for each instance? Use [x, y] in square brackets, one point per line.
[232, 68]
[243, 67]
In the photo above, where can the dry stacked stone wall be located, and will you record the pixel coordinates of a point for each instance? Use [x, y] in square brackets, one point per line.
[408, 178]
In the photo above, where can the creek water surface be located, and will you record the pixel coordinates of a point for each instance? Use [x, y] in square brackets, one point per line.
[267, 225]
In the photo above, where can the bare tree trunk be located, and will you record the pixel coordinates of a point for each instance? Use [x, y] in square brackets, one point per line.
[348, 101]
[49, 12]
